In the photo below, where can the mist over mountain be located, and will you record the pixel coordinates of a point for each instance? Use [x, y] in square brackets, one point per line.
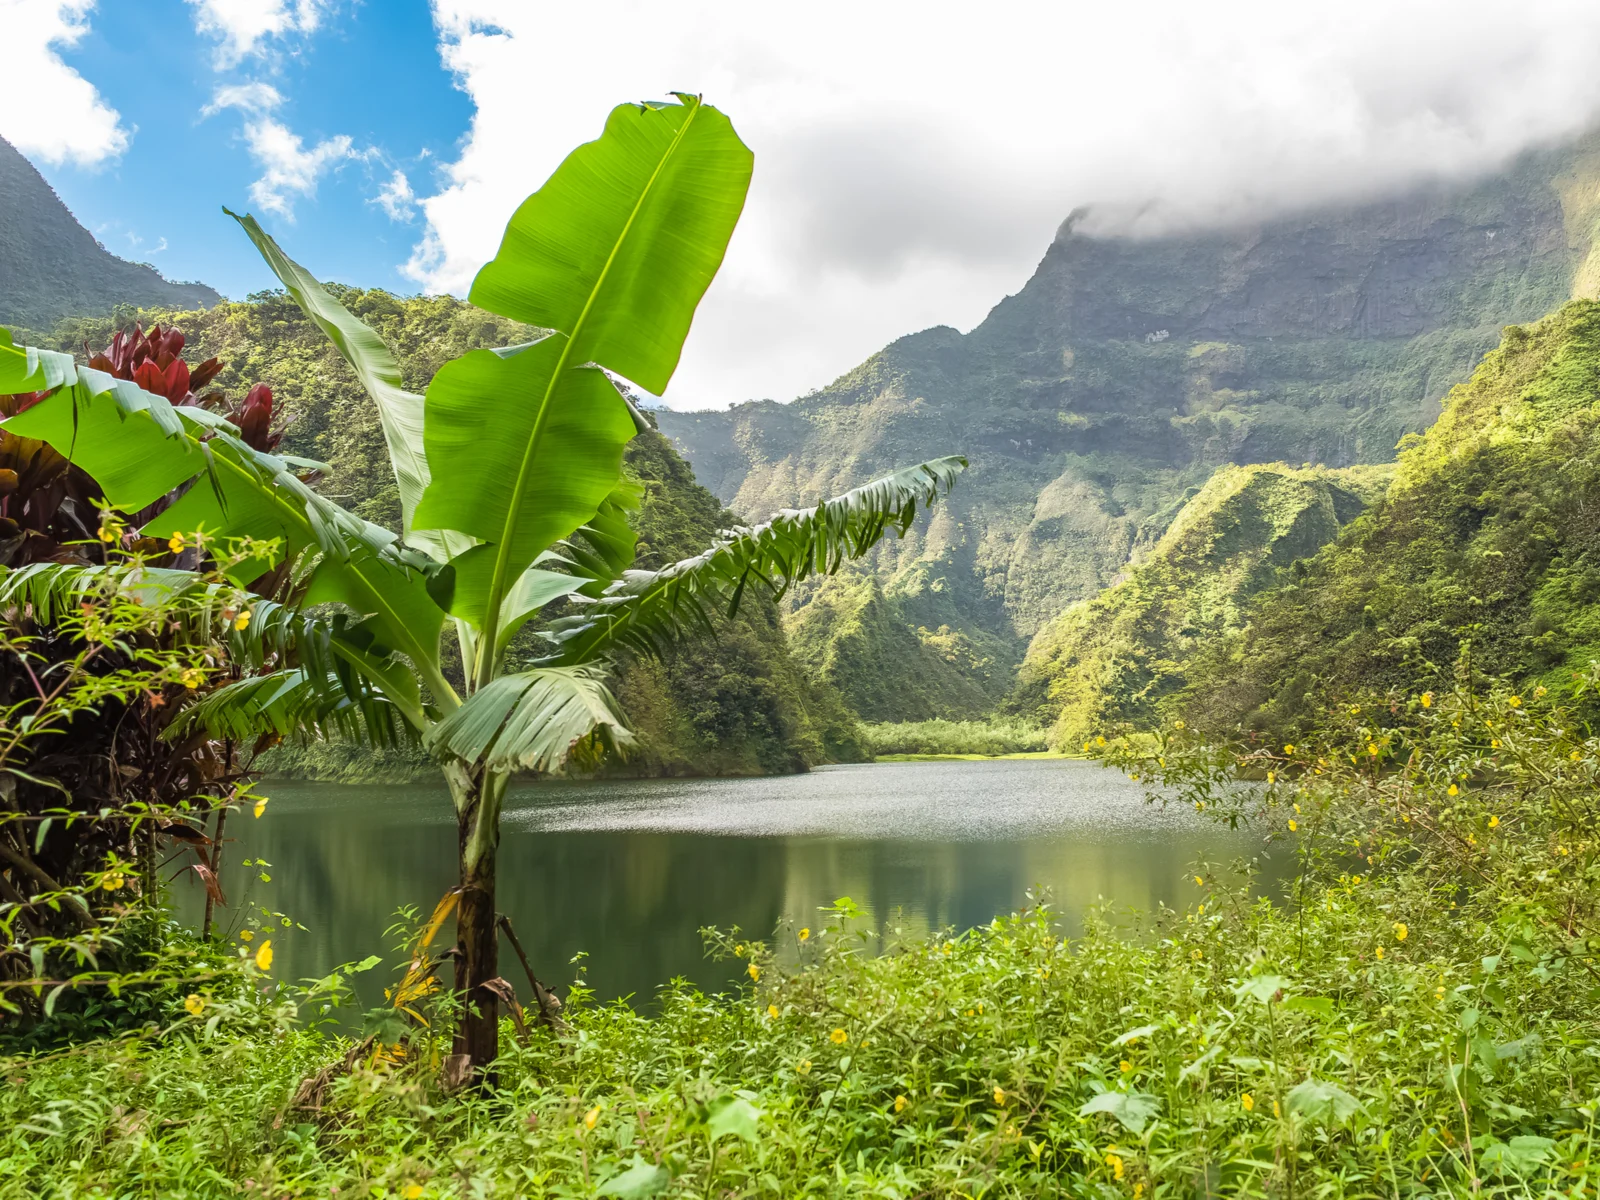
[1127, 370]
[52, 267]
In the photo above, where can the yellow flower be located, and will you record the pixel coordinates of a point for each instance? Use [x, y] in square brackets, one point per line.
[1272, 777]
[805, 935]
[193, 1005]
[1372, 748]
[192, 677]
[1276, 1111]
[1289, 749]
[1196, 954]
[946, 948]
[1380, 951]
[1199, 882]
[738, 951]
[1494, 822]
[1515, 702]
[175, 543]
[592, 1117]
[241, 623]
[1099, 740]
[264, 956]
[1438, 992]
[261, 806]
[838, 1037]
[1494, 743]
[1297, 810]
[1575, 756]
[247, 935]
[803, 1067]
[1452, 790]
[1086, 747]
[412, 1192]
[1114, 1161]
[1199, 806]
[753, 971]
[1355, 710]
[1202, 913]
[1400, 931]
[1427, 699]
[107, 534]
[1248, 1101]
[900, 1103]
[1126, 1066]
[1293, 825]
[772, 1011]
[1540, 690]
[112, 881]
[999, 1094]
[1177, 724]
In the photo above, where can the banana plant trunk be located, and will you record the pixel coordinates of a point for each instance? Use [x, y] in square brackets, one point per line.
[477, 795]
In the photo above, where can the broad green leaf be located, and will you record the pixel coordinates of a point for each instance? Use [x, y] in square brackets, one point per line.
[1133, 1109]
[1321, 1103]
[529, 721]
[138, 447]
[522, 457]
[1262, 987]
[621, 242]
[1321, 1005]
[1133, 1035]
[534, 589]
[638, 1182]
[399, 411]
[1522, 1155]
[734, 1116]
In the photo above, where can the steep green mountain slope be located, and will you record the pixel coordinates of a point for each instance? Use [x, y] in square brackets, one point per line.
[51, 267]
[738, 705]
[1487, 533]
[1119, 658]
[1126, 371]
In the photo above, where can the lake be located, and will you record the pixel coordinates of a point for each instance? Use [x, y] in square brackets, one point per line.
[627, 872]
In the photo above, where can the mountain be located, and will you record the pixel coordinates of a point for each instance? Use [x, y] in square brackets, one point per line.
[1126, 371]
[51, 267]
[1482, 555]
[1122, 657]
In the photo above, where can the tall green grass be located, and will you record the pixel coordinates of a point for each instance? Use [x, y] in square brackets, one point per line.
[954, 737]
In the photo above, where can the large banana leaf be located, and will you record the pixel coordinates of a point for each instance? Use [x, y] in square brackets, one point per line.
[399, 411]
[621, 242]
[138, 447]
[613, 253]
[530, 721]
[645, 611]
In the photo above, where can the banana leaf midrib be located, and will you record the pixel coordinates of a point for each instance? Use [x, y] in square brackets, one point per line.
[487, 656]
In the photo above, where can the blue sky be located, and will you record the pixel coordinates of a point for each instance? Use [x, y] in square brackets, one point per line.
[370, 73]
[910, 171]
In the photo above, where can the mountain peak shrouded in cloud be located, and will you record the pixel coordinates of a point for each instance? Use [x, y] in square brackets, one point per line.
[910, 170]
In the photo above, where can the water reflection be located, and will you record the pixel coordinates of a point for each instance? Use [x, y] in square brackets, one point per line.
[629, 871]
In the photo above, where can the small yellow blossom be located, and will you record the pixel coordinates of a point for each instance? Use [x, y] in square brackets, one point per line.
[1199, 882]
[1099, 740]
[193, 1005]
[242, 621]
[175, 543]
[803, 1067]
[1293, 825]
[753, 971]
[192, 677]
[946, 948]
[1372, 748]
[1539, 691]
[1248, 1101]
[107, 534]
[1400, 931]
[1494, 822]
[1125, 1066]
[900, 1103]
[805, 935]
[1114, 1161]
[264, 956]
[1427, 699]
[112, 881]
[1199, 806]
[772, 1011]
[999, 1094]
[1380, 951]
[247, 935]
[838, 1037]
[261, 806]
[1177, 725]
[1276, 1111]
[1202, 913]
[1452, 790]
[1575, 756]
[1515, 702]
[1289, 748]
[592, 1117]
[738, 950]
[1297, 810]
[412, 1192]
[1196, 954]
[1272, 777]
[1494, 743]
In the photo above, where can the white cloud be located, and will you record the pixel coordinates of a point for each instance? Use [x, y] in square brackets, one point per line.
[247, 97]
[912, 165]
[47, 110]
[240, 27]
[288, 168]
[396, 197]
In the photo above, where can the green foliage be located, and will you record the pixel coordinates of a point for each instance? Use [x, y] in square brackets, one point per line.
[991, 737]
[1120, 658]
[1481, 556]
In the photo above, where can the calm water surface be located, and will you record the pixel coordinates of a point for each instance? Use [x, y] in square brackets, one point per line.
[627, 872]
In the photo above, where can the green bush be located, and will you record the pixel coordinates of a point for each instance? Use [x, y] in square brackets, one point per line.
[953, 737]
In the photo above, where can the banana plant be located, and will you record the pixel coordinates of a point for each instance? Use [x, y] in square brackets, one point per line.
[512, 490]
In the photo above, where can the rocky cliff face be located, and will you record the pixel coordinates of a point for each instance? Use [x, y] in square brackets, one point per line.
[51, 267]
[1125, 372]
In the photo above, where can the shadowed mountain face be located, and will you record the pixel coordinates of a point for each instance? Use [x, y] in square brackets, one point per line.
[1125, 372]
[51, 267]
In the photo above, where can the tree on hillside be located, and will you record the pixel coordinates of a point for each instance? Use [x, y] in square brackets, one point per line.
[513, 498]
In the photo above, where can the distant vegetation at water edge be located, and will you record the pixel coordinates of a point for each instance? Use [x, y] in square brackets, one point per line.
[953, 737]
